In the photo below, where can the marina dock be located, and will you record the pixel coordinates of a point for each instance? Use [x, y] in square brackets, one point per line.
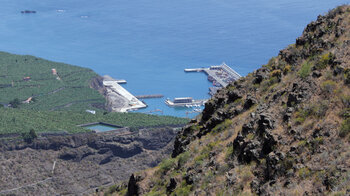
[219, 75]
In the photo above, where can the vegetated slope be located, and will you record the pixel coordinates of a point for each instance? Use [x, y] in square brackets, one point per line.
[281, 130]
[22, 120]
[23, 76]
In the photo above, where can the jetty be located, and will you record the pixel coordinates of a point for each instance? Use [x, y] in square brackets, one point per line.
[219, 75]
[119, 99]
[149, 96]
[109, 78]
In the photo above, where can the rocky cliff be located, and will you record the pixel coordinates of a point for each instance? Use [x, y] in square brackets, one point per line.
[78, 164]
[281, 130]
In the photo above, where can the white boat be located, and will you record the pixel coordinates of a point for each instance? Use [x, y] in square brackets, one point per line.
[184, 102]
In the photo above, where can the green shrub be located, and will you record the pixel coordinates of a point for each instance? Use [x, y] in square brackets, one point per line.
[347, 76]
[318, 140]
[211, 145]
[183, 190]
[304, 173]
[250, 136]
[183, 158]
[267, 84]
[302, 143]
[305, 70]
[30, 136]
[273, 80]
[229, 152]
[246, 176]
[276, 73]
[345, 100]
[204, 155]
[317, 110]
[166, 165]
[345, 113]
[328, 86]
[324, 61]
[286, 69]
[15, 103]
[238, 101]
[315, 143]
[299, 120]
[110, 190]
[288, 163]
[339, 193]
[345, 128]
[222, 126]
[271, 63]
[194, 128]
[154, 193]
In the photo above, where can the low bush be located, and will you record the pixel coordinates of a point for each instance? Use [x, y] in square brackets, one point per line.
[268, 84]
[305, 70]
[328, 86]
[276, 73]
[345, 128]
[304, 173]
[287, 69]
[183, 158]
[345, 100]
[345, 113]
[183, 190]
[166, 165]
[317, 110]
[229, 152]
[222, 126]
[110, 190]
[324, 61]
[15, 103]
[315, 143]
[29, 136]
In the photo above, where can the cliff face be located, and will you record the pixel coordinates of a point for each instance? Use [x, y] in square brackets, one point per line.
[79, 163]
[283, 129]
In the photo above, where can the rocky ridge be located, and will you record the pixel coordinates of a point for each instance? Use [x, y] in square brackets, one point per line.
[281, 130]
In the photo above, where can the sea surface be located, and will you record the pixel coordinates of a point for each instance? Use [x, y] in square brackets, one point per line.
[149, 43]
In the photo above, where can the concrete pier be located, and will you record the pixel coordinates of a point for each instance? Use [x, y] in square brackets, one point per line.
[220, 75]
[119, 98]
[195, 70]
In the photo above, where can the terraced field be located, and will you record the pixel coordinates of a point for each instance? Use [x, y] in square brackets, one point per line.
[23, 76]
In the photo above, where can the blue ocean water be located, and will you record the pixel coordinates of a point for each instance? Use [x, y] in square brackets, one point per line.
[150, 42]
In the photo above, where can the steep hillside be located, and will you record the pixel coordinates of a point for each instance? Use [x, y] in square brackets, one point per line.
[281, 130]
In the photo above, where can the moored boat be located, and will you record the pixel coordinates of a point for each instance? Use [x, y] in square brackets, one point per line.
[185, 102]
